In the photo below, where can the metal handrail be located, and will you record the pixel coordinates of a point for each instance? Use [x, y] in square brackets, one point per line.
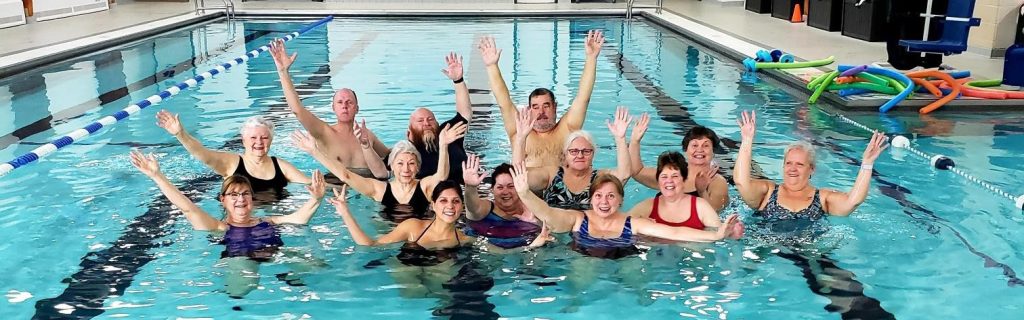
[630, 4]
[228, 7]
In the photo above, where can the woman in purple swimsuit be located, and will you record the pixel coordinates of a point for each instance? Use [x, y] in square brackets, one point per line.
[248, 240]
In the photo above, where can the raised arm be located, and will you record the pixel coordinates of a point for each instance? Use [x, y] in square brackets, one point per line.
[399, 233]
[292, 173]
[366, 186]
[618, 129]
[539, 177]
[373, 159]
[578, 111]
[641, 174]
[491, 54]
[219, 162]
[648, 227]
[446, 137]
[476, 208]
[454, 71]
[310, 121]
[199, 219]
[842, 204]
[316, 194]
[558, 220]
[752, 191]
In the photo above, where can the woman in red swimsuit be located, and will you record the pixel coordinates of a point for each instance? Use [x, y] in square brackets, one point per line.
[675, 208]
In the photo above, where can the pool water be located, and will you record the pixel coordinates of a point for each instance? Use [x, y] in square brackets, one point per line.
[88, 236]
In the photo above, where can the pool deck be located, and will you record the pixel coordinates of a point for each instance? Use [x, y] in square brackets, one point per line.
[744, 33]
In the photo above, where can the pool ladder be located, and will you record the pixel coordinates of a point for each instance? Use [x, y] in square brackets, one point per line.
[630, 5]
[228, 6]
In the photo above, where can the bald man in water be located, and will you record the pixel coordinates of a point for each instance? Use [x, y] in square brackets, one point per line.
[339, 140]
[544, 144]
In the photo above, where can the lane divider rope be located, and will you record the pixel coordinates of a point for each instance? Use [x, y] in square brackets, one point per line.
[80, 134]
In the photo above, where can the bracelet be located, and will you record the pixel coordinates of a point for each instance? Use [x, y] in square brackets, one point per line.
[867, 167]
[458, 81]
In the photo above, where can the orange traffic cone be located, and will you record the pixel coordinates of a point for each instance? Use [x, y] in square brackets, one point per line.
[798, 15]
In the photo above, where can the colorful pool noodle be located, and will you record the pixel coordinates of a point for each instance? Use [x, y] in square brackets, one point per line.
[866, 86]
[753, 65]
[927, 85]
[983, 85]
[822, 86]
[892, 74]
[80, 134]
[942, 101]
[853, 71]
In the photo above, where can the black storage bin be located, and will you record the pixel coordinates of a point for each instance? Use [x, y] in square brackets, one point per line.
[783, 9]
[825, 14]
[1020, 27]
[759, 6]
[867, 21]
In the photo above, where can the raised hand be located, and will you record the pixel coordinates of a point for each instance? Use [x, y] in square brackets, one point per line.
[454, 69]
[451, 133]
[875, 147]
[281, 58]
[524, 123]
[748, 125]
[362, 134]
[621, 123]
[704, 177]
[595, 39]
[471, 174]
[488, 51]
[304, 141]
[640, 127]
[339, 200]
[169, 122]
[318, 187]
[519, 178]
[146, 164]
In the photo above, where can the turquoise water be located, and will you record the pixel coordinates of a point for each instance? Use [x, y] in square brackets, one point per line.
[89, 236]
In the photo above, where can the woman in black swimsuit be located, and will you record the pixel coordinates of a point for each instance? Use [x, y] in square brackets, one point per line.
[404, 193]
[264, 172]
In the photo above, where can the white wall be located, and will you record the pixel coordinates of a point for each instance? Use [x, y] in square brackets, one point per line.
[53, 9]
[11, 13]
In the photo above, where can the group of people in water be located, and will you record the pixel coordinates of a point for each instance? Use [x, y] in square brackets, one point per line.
[430, 186]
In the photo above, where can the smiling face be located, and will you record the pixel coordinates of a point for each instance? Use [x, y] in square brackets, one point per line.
[405, 167]
[580, 154]
[448, 205]
[345, 105]
[700, 151]
[504, 190]
[236, 199]
[605, 200]
[797, 168]
[256, 140]
[670, 181]
[542, 108]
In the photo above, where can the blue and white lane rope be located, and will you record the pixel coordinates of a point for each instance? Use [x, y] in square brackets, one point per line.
[941, 162]
[79, 134]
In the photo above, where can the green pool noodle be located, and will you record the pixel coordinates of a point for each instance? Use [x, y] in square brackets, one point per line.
[821, 88]
[794, 65]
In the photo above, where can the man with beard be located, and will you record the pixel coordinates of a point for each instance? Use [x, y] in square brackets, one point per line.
[544, 144]
[335, 140]
[423, 127]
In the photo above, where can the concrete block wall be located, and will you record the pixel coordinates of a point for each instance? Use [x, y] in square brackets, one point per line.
[997, 30]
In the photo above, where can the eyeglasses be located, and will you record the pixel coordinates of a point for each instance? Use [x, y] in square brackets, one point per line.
[577, 152]
[236, 194]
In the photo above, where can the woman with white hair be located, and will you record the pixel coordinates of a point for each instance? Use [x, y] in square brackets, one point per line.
[264, 172]
[404, 196]
[795, 197]
[567, 186]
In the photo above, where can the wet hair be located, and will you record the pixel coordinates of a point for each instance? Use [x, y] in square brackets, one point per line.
[542, 92]
[445, 185]
[806, 147]
[234, 180]
[404, 146]
[573, 136]
[503, 168]
[355, 98]
[605, 178]
[701, 132]
[673, 160]
[255, 122]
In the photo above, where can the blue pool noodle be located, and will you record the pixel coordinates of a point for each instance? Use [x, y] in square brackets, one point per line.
[891, 74]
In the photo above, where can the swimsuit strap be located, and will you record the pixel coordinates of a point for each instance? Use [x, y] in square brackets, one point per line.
[425, 230]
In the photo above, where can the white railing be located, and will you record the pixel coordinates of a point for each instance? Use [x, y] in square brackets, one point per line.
[228, 7]
[630, 5]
